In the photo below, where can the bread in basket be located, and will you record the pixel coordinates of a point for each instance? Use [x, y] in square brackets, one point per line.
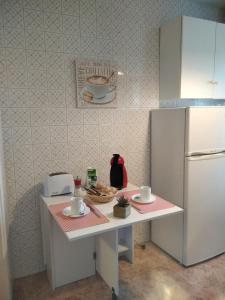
[103, 193]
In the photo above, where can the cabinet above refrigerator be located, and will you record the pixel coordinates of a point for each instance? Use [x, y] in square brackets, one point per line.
[192, 59]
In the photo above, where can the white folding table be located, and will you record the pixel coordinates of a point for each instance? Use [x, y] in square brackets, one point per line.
[74, 255]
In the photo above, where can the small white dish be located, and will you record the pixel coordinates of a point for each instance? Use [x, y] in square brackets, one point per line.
[67, 212]
[137, 198]
[108, 97]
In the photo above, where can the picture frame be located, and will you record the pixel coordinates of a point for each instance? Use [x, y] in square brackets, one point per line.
[96, 83]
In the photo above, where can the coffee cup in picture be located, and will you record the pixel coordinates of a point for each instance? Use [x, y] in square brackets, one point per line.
[99, 86]
[77, 205]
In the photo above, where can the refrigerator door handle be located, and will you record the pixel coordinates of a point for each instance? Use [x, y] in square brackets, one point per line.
[205, 152]
[206, 156]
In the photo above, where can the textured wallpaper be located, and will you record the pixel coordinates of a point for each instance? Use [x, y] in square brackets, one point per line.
[42, 129]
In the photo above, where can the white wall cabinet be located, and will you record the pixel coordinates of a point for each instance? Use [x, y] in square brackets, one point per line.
[192, 59]
[219, 75]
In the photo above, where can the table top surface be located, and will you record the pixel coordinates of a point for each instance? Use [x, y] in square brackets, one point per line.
[107, 209]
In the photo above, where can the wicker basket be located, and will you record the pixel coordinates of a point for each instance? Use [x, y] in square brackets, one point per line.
[110, 193]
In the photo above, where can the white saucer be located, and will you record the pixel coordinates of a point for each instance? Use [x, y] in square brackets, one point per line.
[108, 97]
[67, 212]
[137, 198]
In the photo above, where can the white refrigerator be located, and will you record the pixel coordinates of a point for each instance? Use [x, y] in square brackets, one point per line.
[188, 169]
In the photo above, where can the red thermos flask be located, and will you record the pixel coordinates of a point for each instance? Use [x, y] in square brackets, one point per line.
[118, 172]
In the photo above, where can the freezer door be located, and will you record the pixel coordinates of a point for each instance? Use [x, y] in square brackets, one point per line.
[205, 129]
[204, 206]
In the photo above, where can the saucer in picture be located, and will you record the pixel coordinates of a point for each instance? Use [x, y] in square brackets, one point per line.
[67, 212]
[88, 97]
[137, 198]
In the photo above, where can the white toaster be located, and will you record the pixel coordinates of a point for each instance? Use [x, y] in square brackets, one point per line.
[58, 184]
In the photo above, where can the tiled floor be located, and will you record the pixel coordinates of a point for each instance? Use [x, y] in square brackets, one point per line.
[153, 276]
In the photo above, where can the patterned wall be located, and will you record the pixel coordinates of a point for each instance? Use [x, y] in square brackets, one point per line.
[42, 129]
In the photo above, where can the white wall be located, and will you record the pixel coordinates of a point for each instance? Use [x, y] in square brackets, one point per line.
[43, 131]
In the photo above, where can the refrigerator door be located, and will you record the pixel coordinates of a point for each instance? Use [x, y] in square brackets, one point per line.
[205, 130]
[204, 206]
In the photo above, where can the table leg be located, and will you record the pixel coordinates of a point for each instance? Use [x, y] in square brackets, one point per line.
[107, 264]
[125, 237]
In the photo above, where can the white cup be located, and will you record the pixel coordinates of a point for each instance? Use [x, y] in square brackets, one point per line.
[99, 86]
[145, 193]
[77, 205]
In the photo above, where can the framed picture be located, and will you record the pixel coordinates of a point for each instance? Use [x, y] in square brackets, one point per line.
[96, 84]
